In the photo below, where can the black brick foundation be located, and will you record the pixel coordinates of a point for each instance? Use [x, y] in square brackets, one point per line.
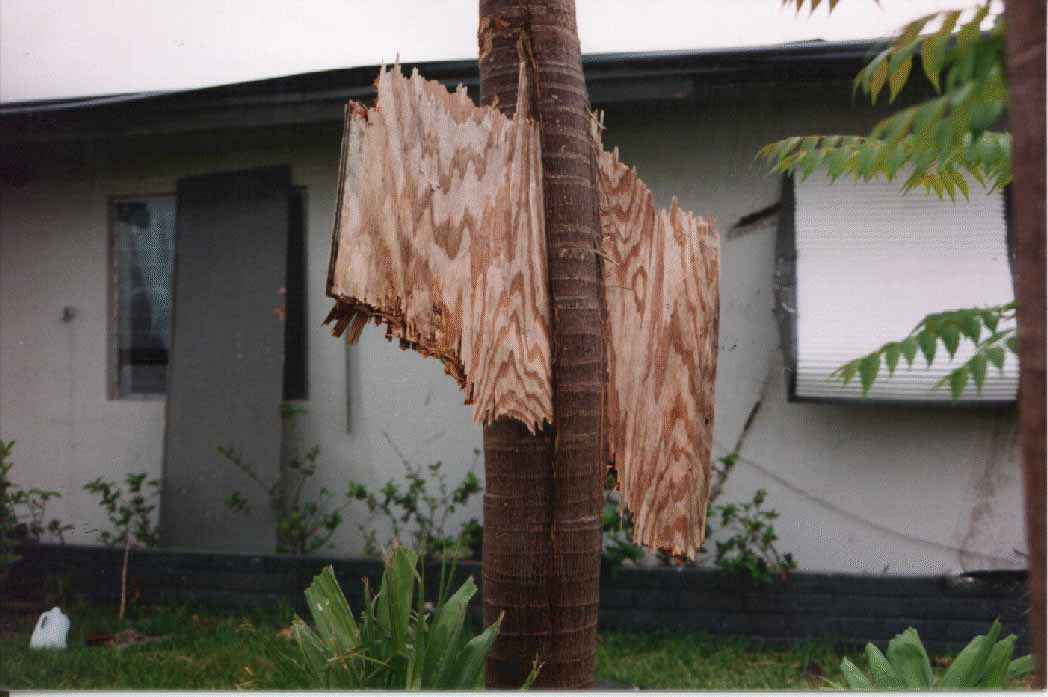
[946, 610]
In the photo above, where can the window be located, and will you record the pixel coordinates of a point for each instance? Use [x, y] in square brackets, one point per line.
[143, 239]
[144, 254]
[861, 264]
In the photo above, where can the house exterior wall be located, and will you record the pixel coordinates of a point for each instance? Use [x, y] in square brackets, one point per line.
[860, 488]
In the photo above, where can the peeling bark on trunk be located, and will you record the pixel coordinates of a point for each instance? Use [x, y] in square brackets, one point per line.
[542, 530]
[1025, 37]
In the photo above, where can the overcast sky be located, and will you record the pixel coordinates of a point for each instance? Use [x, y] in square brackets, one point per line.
[71, 48]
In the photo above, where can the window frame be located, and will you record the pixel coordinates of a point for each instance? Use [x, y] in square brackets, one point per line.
[113, 314]
[784, 293]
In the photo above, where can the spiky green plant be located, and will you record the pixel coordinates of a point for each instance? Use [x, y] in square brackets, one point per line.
[985, 664]
[393, 643]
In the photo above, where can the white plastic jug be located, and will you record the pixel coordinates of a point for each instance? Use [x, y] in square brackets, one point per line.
[51, 631]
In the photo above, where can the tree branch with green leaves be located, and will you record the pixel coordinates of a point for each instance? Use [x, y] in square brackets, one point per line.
[937, 143]
[946, 328]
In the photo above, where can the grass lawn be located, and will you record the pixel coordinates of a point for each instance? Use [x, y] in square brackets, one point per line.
[689, 661]
[199, 651]
[245, 651]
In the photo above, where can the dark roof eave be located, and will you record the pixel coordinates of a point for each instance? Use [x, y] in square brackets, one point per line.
[319, 96]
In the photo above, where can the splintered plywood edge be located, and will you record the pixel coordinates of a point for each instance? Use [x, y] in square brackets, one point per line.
[439, 234]
[662, 295]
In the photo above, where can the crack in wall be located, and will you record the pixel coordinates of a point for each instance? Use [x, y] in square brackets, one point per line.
[986, 486]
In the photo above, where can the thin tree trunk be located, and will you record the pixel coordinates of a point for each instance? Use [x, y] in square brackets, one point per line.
[1025, 37]
[542, 533]
[123, 578]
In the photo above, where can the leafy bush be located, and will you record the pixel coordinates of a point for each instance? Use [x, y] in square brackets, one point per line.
[8, 517]
[35, 529]
[984, 664]
[131, 518]
[22, 513]
[617, 524]
[471, 538]
[304, 524]
[396, 644]
[416, 510]
[749, 550]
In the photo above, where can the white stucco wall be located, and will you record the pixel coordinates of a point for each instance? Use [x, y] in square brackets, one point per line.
[860, 487]
[53, 379]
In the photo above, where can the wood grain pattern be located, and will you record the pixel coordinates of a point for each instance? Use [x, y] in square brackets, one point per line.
[662, 291]
[439, 234]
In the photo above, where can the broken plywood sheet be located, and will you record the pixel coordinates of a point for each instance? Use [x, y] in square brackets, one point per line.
[440, 234]
[661, 289]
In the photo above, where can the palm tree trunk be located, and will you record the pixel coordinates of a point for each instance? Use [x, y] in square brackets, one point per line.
[1025, 37]
[542, 533]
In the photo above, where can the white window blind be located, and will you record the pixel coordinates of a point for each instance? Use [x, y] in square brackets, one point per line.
[871, 262]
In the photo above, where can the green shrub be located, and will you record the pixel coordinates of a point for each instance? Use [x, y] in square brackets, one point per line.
[132, 515]
[984, 664]
[304, 523]
[617, 524]
[23, 513]
[745, 530]
[131, 518]
[396, 643]
[8, 517]
[420, 508]
[748, 537]
[471, 538]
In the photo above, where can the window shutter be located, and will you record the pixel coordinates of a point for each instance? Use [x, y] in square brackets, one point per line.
[225, 377]
[870, 263]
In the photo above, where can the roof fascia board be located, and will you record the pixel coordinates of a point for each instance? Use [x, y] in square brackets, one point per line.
[313, 98]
